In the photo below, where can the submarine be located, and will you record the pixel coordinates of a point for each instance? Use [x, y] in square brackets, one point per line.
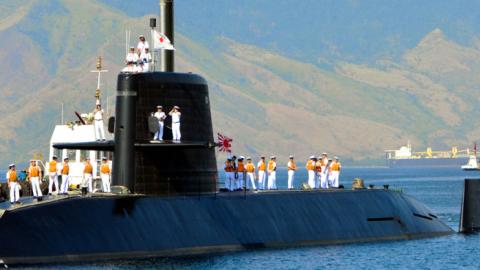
[166, 199]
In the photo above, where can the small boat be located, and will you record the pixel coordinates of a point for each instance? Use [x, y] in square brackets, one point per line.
[472, 164]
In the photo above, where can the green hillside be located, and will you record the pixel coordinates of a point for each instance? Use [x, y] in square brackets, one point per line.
[269, 103]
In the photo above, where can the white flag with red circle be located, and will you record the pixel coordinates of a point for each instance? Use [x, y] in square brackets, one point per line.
[160, 41]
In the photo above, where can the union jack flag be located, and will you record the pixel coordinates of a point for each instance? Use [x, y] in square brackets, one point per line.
[224, 143]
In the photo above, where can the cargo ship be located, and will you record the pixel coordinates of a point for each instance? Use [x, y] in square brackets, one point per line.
[406, 157]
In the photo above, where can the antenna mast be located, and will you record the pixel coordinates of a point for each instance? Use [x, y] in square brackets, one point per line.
[99, 71]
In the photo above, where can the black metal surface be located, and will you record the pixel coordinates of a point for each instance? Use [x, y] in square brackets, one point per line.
[470, 213]
[98, 145]
[166, 23]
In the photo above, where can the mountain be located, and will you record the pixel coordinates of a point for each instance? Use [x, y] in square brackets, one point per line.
[270, 100]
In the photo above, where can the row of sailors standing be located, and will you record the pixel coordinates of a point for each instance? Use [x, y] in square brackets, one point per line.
[138, 61]
[54, 170]
[322, 173]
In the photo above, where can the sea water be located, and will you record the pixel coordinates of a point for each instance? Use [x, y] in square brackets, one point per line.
[439, 188]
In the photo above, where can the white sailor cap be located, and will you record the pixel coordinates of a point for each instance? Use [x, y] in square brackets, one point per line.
[132, 48]
[229, 158]
[241, 158]
[159, 107]
[176, 107]
[291, 156]
[104, 158]
[87, 158]
[66, 158]
[249, 158]
[141, 36]
[312, 157]
[335, 157]
[324, 154]
[272, 157]
[329, 159]
[11, 165]
[54, 157]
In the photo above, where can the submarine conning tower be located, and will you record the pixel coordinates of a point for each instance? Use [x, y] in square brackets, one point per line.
[168, 168]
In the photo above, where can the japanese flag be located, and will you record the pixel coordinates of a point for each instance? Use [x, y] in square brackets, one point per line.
[160, 41]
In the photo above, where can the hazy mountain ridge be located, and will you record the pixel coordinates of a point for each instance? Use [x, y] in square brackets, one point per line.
[269, 103]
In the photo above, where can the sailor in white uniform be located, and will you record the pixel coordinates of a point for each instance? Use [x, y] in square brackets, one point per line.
[142, 44]
[311, 171]
[261, 167]
[160, 115]
[250, 168]
[175, 114]
[53, 175]
[98, 123]
[105, 174]
[272, 173]
[13, 184]
[35, 175]
[65, 171]
[146, 59]
[324, 173]
[292, 167]
[131, 61]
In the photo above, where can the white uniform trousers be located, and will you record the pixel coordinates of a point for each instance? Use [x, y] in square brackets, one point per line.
[99, 129]
[240, 180]
[64, 186]
[261, 180]
[14, 192]
[291, 178]
[334, 179]
[229, 180]
[311, 178]
[146, 67]
[251, 180]
[88, 178]
[159, 134]
[52, 179]
[37, 192]
[324, 180]
[105, 182]
[272, 180]
[176, 131]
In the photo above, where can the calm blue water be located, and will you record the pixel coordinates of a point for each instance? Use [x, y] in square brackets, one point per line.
[440, 189]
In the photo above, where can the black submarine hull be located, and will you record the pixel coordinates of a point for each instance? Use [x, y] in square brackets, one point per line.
[104, 227]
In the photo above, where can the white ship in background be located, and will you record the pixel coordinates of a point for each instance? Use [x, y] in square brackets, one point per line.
[406, 157]
[472, 164]
[81, 130]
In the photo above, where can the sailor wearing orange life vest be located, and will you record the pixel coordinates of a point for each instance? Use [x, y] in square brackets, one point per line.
[13, 184]
[250, 168]
[88, 174]
[324, 173]
[105, 173]
[229, 179]
[272, 173]
[335, 173]
[34, 175]
[242, 173]
[292, 167]
[261, 167]
[65, 175]
[310, 166]
[52, 175]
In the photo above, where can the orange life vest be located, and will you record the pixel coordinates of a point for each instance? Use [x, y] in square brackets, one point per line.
[250, 168]
[65, 169]
[52, 166]
[88, 168]
[292, 166]
[228, 166]
[12, 176]
[271, 165]
[34, 171]
[262, 166]
[310, 165]
[318, 166]
[105, 168]
[335, 166]
[241, 167]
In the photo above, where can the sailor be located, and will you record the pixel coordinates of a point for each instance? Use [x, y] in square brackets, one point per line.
[175, 114]
[13, 184]
[131, 61]
[335, 173]
[272, 173]
[98, 123]
[52, 175]
[292, 167]
[310, 166]
[250, 168]
[35, 175]
[142, 45]
[261, 167]
[235, 173]
[160, 115]
[324, 172]
[105, 174]
[319, 169]
[145, 59]
[65, 176]
[228, 174]
[241, 172]
[88, 174]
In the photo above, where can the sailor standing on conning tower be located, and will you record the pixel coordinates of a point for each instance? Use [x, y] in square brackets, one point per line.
[98, 123]
[292, 167]
[131, 61]
[250, 168]
[261, 167]
[13, 184]
[229, 174]
[160, 115]
[52, 175]
[142, 45]
[145, 59]
[65, 176]
[175, 114]
[35, 175]
[105, 173]
[241, 173]
[272, 173]
[311, 171]
[334, 176]
[88, 174]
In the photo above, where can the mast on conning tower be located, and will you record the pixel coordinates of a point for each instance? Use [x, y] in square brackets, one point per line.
[167, 62]
[99, 70]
